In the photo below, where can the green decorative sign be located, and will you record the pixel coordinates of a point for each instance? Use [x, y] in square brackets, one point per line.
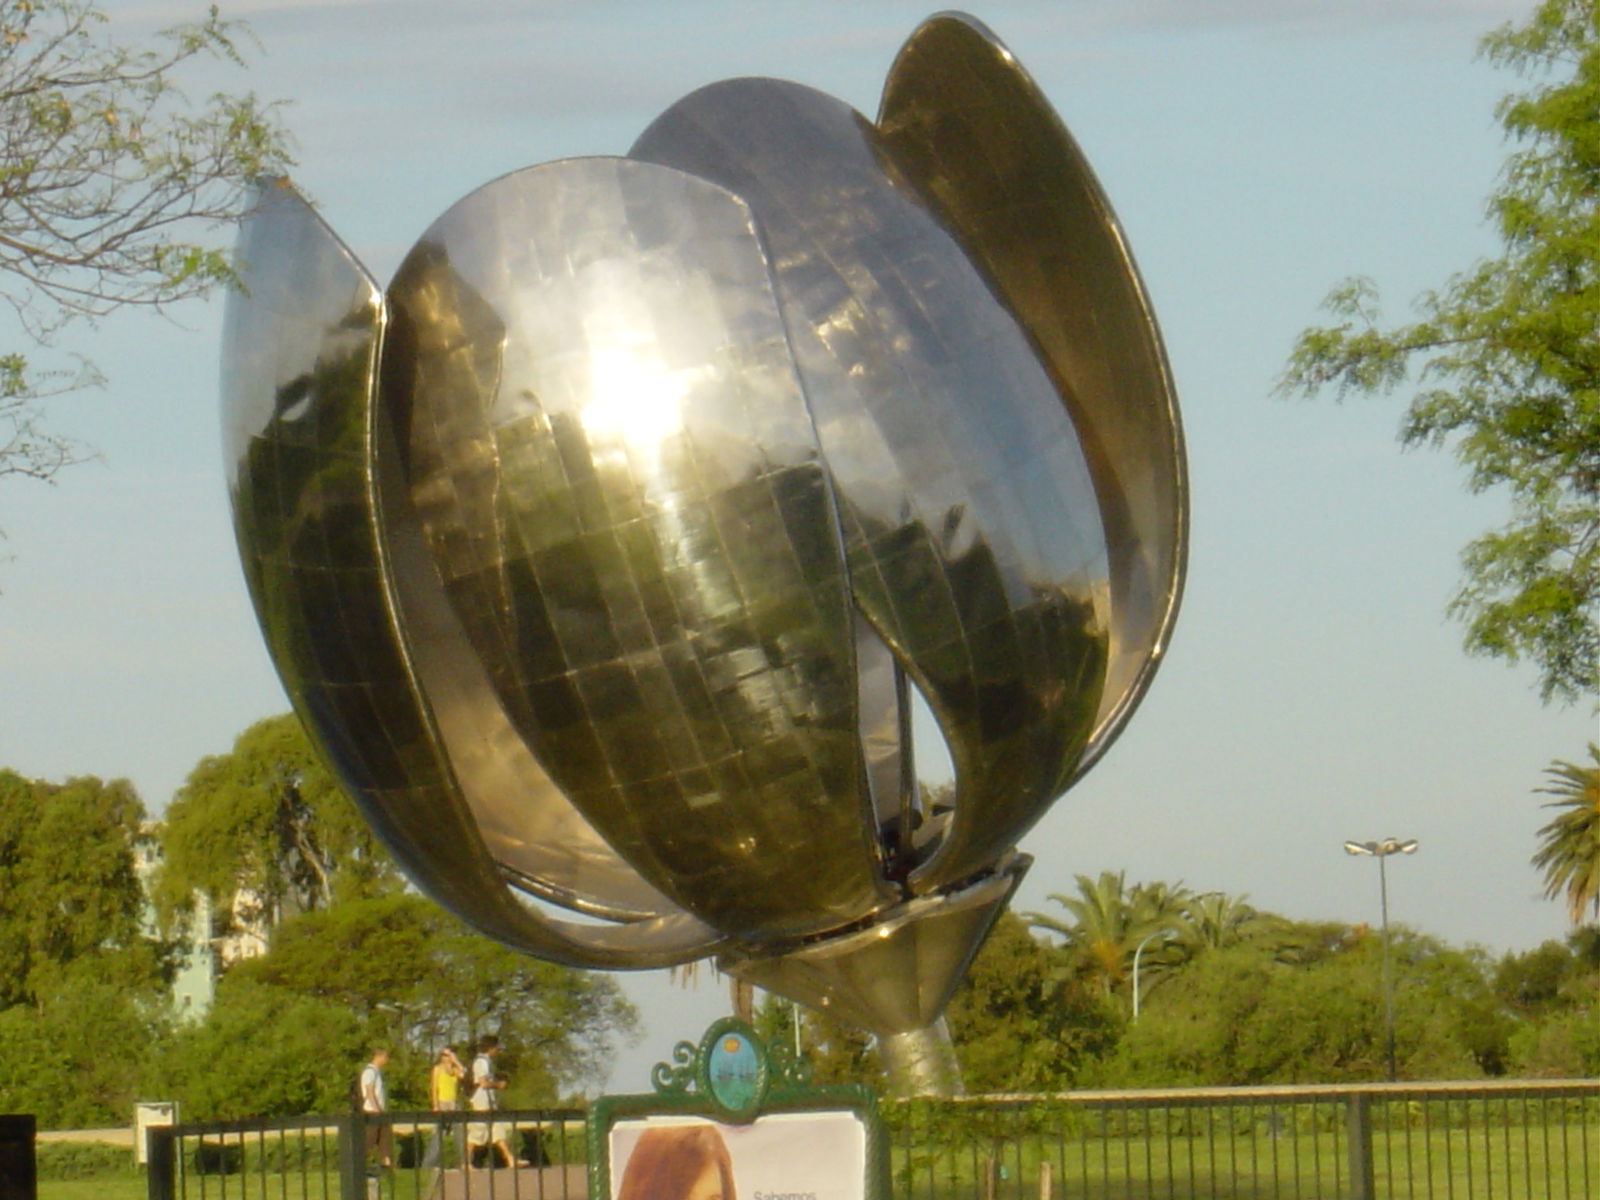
[733, 1117]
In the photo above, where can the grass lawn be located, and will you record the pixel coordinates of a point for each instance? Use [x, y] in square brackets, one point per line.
[1503, 1163]
[100, 1187]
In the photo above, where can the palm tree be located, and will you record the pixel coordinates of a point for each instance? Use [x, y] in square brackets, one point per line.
[1109, 922]
[1216, 920]
[1569, 846]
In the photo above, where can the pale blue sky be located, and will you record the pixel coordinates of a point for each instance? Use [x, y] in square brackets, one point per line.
[1256, 151]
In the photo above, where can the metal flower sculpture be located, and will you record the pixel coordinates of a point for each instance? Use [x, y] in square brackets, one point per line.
[601, 553]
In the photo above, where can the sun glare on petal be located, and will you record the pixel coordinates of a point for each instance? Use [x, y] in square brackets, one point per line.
[634, 396]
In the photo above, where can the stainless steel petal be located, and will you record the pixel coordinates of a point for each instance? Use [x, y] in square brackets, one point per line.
[621, 490]
[968, 126]
[972, 530]
[299, 358]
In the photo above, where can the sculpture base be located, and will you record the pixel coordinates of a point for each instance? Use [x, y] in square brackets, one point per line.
[896, 975]
[921, 1062]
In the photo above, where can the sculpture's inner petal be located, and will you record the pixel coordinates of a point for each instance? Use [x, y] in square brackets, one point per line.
[620, 487]
[970, 129]
[971, 525]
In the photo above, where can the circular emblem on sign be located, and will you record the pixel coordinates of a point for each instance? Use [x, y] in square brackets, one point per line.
[734, 1072]
[735, 1068]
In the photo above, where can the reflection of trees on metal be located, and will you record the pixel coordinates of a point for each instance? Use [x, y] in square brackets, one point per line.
[602, 553]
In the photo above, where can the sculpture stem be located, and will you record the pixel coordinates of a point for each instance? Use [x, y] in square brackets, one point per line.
[921, 1062]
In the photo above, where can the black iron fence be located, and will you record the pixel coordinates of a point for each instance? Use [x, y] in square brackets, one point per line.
[1481, 1141]
[1478, 1141]
[17, 1175]
[511, 1154]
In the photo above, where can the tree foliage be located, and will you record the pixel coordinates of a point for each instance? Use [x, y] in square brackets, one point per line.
[1569, 845]
[1552, 996]
[1241, 1017]
[267, 821]
[1108, 923]
[1231, 994]
[69, 885]
[109, 180]
[262, 1051]
[1113, 927]
[1532, 982]
[1021, 1021]
[835, 1051]
[413, 978]
[1506, 363]
[81, 993]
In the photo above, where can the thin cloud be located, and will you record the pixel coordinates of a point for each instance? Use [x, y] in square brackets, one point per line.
[1348, 16]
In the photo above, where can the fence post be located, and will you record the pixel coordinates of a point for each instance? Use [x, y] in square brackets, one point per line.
[1358, 1145]
[161, 1175]
[352, 1156]
[19, 1177]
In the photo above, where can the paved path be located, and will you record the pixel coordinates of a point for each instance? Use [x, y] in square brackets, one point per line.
[525, 1183]
[122, 1136]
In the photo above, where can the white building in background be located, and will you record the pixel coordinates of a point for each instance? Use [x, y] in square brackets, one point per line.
[195, 985]
[248, 932]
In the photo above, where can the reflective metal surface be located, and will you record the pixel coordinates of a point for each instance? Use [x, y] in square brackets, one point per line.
[921, 1062]
[895, 975]
[607, 447]
[971, 130]
[604, 553]
[969, 517]
[303, 442]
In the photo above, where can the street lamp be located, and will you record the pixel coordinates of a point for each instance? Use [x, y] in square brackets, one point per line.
[1166, 935]
[1380, 851]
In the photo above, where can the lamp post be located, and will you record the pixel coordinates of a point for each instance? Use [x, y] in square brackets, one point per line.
[1165, 935]
[1380, 851]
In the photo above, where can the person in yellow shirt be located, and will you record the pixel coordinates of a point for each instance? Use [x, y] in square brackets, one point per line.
[444, 1082]
[444, 1096]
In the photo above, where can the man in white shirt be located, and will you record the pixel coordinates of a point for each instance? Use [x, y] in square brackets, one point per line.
[486, 1087]
[375, 1100]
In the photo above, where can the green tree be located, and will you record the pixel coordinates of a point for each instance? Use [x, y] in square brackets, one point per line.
[78, 1056]
[82, 991]
[1216, 920]
[262, 1051]
[1531, 983]
[1569, 845]
[1506, 364]
[69, 885]
[1551, 994]
[835, 1051]
[1021, 1022]
[1564, 1045]
[1109, 922]
[108, 176]
[1241, 1016]
[267, 821]
[412, 977]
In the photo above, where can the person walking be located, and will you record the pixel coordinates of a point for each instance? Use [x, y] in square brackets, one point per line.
[486, 1089]
[379, 1136]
